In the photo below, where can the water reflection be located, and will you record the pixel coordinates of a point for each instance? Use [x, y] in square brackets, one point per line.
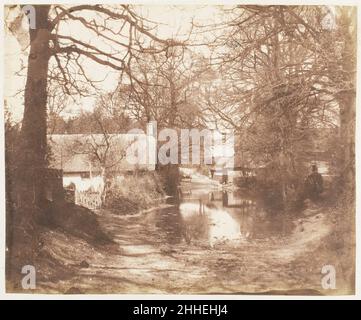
[219, 217]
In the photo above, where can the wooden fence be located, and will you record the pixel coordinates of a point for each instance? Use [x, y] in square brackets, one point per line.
[89, 199]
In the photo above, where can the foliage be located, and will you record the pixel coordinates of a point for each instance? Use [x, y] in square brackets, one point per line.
[279, 83]
[131, 193]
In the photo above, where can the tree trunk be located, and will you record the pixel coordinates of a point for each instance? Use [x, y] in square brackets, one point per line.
[103, 174]
[30, 177]
[347, 98]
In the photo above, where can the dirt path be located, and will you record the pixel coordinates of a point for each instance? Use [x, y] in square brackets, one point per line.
[142, 261]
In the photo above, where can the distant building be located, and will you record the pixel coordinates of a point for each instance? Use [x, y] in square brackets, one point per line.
[77, 155]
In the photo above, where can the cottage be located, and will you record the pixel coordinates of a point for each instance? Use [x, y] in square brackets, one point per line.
[87, 159]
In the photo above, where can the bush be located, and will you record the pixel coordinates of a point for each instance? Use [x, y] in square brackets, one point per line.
[133, 193]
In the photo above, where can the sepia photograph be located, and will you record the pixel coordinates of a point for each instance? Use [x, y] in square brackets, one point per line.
[179, 148]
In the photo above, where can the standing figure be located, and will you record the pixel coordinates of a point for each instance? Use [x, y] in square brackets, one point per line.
[314, 184]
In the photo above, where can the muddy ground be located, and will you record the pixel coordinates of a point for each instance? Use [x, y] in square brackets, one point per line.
[141, 259]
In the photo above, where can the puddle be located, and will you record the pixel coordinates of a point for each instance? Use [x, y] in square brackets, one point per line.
[218, 217]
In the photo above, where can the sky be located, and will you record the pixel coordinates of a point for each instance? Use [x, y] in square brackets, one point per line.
[174, 21]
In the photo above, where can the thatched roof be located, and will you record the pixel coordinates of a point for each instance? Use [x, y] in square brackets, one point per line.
[74, 153]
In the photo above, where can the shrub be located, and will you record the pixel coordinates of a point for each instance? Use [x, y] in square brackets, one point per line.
[135, 192]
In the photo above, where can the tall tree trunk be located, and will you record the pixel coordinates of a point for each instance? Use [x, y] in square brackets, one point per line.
[30, 178]
[347, 103]
[103, 174]
[347, 97]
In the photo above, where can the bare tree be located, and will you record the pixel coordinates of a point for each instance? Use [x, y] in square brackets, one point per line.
[167, 90]
[57, 55]
[278, 82]
[103, 147]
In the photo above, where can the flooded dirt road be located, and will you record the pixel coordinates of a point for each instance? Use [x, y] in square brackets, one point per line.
[212, 241]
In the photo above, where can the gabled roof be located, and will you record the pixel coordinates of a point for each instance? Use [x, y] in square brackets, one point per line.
[70, 152]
